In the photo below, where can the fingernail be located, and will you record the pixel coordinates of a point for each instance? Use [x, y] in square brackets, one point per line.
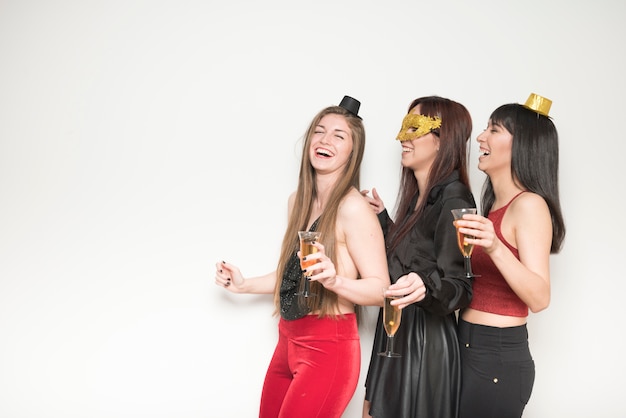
[227, 284]
[303, 258]
[304, 271]
[223, 262]
[220, 270]
[228, 278]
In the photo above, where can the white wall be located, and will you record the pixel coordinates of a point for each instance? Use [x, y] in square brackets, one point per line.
[143, 141]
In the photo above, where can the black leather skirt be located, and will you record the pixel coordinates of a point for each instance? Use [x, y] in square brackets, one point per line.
[425, 381]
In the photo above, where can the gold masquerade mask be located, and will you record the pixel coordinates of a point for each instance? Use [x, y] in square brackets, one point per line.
[414, 126]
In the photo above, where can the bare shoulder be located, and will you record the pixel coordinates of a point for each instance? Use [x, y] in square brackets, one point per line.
[355, 215]
[354, 204]
[529, 201]
[529, 205]
[357, 224]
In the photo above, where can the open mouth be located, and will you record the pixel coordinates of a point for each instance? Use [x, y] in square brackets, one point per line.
[322, 152]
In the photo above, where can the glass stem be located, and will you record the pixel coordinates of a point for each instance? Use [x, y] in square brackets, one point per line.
[467, 261]
[306, 285]
[389, 344]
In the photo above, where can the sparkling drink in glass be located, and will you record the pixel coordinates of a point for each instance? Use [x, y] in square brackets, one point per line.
[307, 248]
[465, 247]
[391, 321]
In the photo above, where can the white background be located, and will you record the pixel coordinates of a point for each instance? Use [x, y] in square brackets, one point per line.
[143, 141]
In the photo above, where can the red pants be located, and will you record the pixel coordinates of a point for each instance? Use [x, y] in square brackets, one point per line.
[314, 370]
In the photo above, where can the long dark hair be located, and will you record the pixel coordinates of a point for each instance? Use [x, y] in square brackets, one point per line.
[534, 162]
[454, 133]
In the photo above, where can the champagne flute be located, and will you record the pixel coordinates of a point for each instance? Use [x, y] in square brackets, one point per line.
[465, 247]
[307, 248]
[391, 321]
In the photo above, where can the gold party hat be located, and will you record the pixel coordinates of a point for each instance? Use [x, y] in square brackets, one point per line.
[538, 104]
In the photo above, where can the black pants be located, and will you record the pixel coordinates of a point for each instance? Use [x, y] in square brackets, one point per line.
[497, 371]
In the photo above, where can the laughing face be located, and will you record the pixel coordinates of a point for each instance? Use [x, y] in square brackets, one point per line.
[331, 144]
[496, 144]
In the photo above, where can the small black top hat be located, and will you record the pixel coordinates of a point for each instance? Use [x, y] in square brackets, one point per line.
[351, 105]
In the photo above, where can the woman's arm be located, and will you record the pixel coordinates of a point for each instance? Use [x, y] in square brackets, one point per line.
[362, 255]
[228, 276]
[447, 287]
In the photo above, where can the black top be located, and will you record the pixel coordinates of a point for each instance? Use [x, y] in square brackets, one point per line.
[290, 306]
[425, 381]
[431, 249]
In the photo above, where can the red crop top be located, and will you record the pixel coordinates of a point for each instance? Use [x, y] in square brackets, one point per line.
[491, 292]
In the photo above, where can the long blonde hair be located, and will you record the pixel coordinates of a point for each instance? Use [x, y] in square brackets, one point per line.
[325, 301]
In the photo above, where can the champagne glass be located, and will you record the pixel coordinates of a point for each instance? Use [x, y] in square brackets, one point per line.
[391, 321]
[307, 248]
[465, 247]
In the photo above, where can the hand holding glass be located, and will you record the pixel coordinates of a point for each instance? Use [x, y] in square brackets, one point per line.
[391, 321]
[465, 247]
[307, 248]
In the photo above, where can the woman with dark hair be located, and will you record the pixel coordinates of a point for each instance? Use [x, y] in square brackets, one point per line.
[315, 367]
[425, 267]
[522, 225]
